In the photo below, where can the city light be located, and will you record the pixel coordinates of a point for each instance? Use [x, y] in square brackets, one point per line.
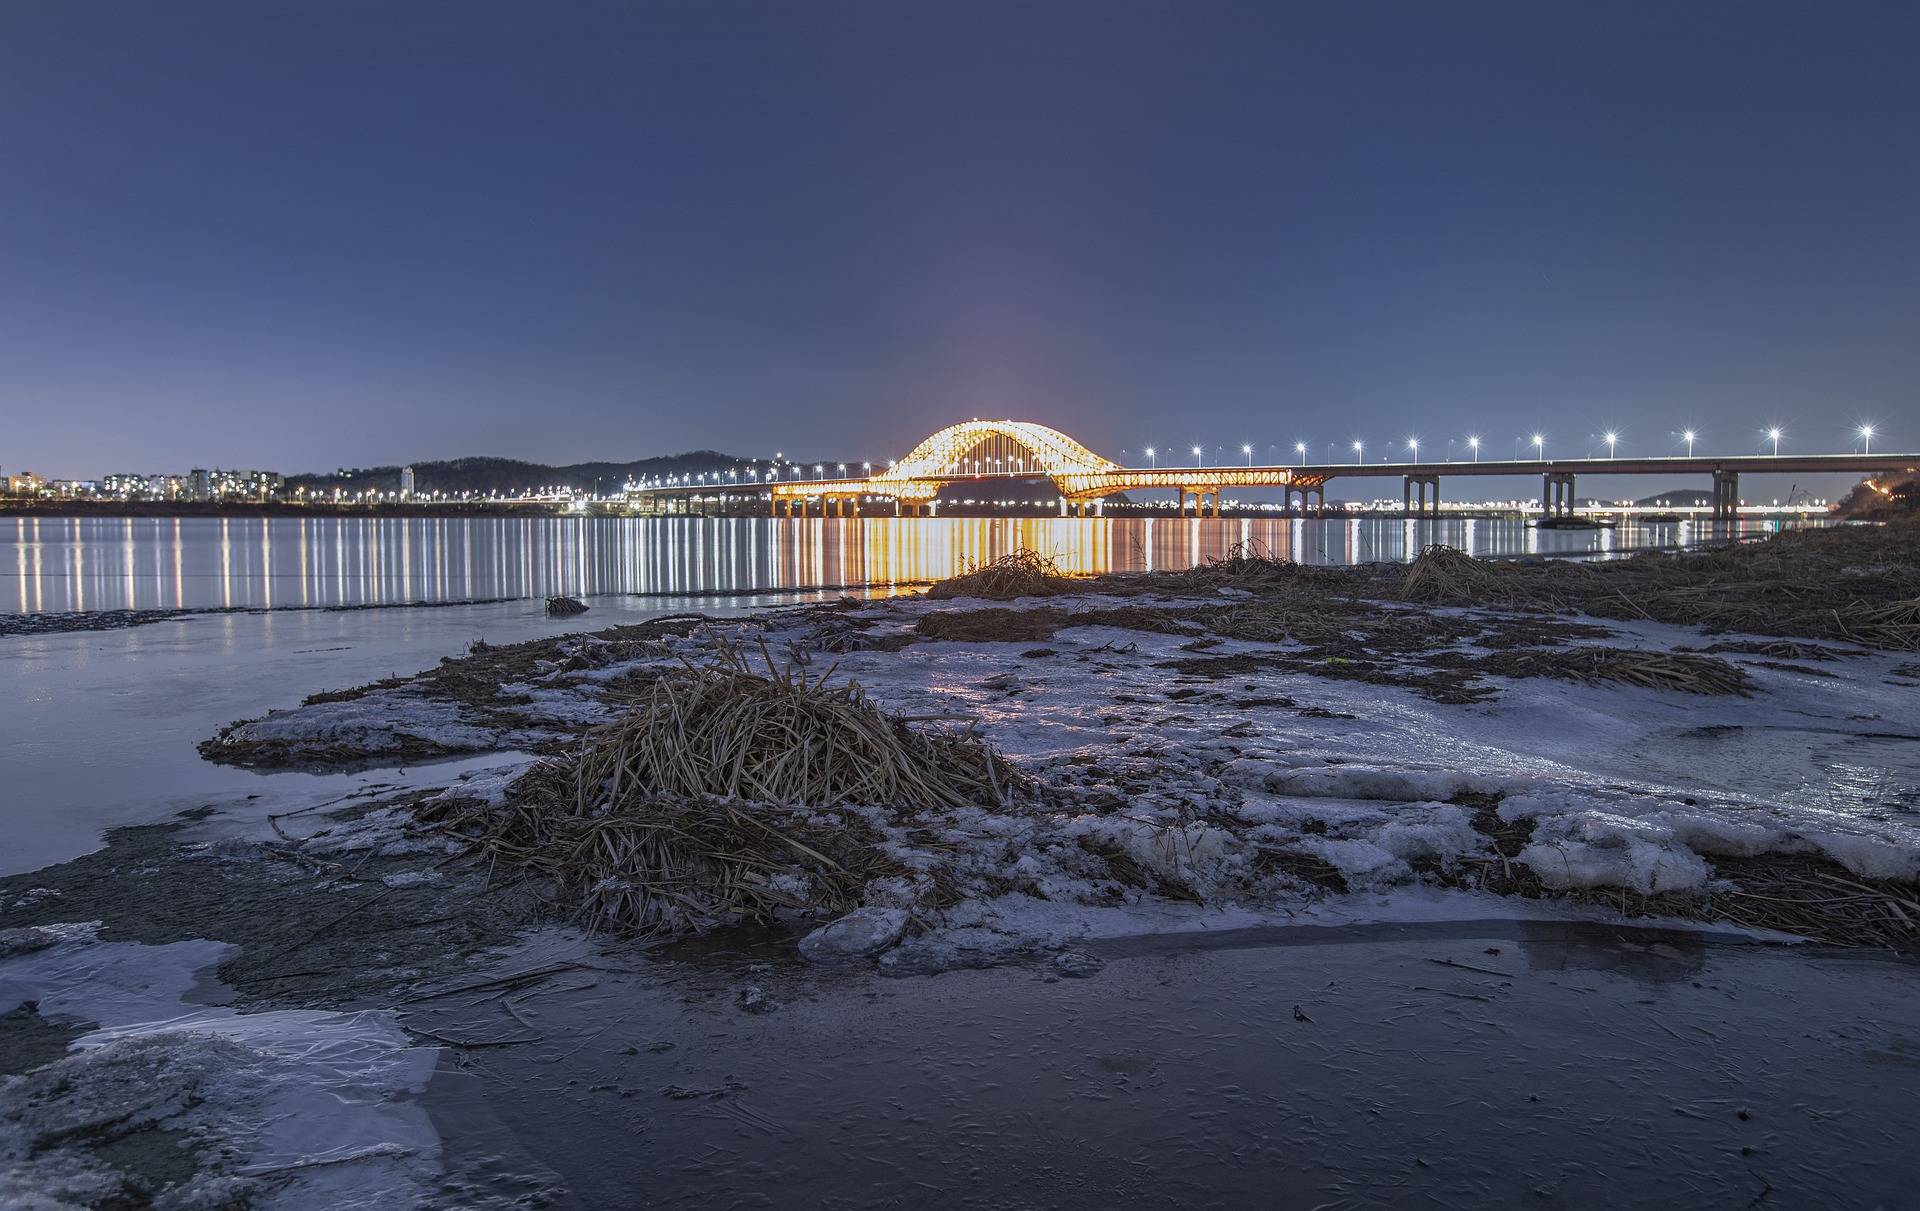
[1866, 435]
[1359, 451]
[1688, 436]
[1300, 448]
[1612, 438]
[1773, 435]
[1539, 445]
[1248, 451]
[1413, 444]
[1196, 456]
[1475, 443]
[1150, 457]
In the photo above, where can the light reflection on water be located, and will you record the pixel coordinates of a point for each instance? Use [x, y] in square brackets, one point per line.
[79, 564]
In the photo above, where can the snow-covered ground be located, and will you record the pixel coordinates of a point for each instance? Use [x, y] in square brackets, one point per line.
[1200, 778]
[1196, 778]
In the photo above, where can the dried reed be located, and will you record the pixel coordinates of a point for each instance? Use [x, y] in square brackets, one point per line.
[1021, 573]
[712, 800]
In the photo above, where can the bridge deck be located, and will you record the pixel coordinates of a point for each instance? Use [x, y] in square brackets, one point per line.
[1281, 475]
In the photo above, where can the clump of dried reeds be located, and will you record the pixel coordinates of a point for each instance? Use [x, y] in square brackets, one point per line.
[1249, 566]
[1021, 573]
[565, 607]
[1677, 671]
[1444, 575]
[1255, 623]
[1895, 624]
[782, 737]
[713, 799]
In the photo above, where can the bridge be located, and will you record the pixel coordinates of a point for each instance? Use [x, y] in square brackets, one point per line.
[993, 451]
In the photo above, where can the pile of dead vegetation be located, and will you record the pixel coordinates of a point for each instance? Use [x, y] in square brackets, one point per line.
[727, 794]
[1672, 671]
[1859, 584]
[1021, 573]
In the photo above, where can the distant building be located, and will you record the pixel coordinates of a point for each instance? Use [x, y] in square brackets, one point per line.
[26, 483]
[128, 487]
[406, 482]
[217, 484]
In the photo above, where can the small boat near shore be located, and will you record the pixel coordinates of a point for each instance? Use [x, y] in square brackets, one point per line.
[1572, 523]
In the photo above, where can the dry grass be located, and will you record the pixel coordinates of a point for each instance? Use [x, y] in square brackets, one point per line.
[1022, 573]
[780, 737]
[990, 626]
[1859, 584]
[565, 607]
[995, 625]
[1445, 575]
[1674, 671]
[713, 799]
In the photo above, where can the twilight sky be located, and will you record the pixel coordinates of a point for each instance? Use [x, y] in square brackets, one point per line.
[305, 235]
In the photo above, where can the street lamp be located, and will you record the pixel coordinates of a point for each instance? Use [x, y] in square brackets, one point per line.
[1611, 439]
[1866, 435]
[1196, 456]
[1475, 443]
[1773, 435]
[1539, 445]
[1359, 451]
[1248, 451]
[1300, 448]
[1150, 458]
[1413, 444]
[1689, 436]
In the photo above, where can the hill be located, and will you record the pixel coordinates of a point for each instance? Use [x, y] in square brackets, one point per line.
[510, 476]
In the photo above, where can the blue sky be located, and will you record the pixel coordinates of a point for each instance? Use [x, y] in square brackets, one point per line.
[306, 235]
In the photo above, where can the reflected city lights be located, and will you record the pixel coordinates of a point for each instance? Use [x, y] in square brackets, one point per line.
[78, 564]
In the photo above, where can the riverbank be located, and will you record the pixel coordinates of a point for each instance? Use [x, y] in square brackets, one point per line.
[1217, 737]
[1117, 801]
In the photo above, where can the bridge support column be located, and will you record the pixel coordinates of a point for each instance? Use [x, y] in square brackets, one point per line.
[1556, 494]
[1420, 495]
[1216, 502]
[1726, 495]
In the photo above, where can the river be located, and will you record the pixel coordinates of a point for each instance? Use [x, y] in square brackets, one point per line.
[66, 565]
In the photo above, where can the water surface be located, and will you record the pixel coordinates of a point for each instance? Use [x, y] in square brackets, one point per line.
[65, 565]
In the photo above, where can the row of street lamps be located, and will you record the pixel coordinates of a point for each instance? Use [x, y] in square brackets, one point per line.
[774, 471]
[1538, 440]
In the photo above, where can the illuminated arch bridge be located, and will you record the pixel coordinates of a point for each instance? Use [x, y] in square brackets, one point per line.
[994, 450]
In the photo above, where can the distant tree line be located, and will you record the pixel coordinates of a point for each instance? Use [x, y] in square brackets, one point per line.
[511, 476]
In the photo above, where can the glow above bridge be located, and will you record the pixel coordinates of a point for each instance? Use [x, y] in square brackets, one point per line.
[1010, 449]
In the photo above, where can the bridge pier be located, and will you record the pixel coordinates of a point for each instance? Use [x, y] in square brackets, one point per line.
[1556, 494]
[1726, 495]
[1422, 483]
